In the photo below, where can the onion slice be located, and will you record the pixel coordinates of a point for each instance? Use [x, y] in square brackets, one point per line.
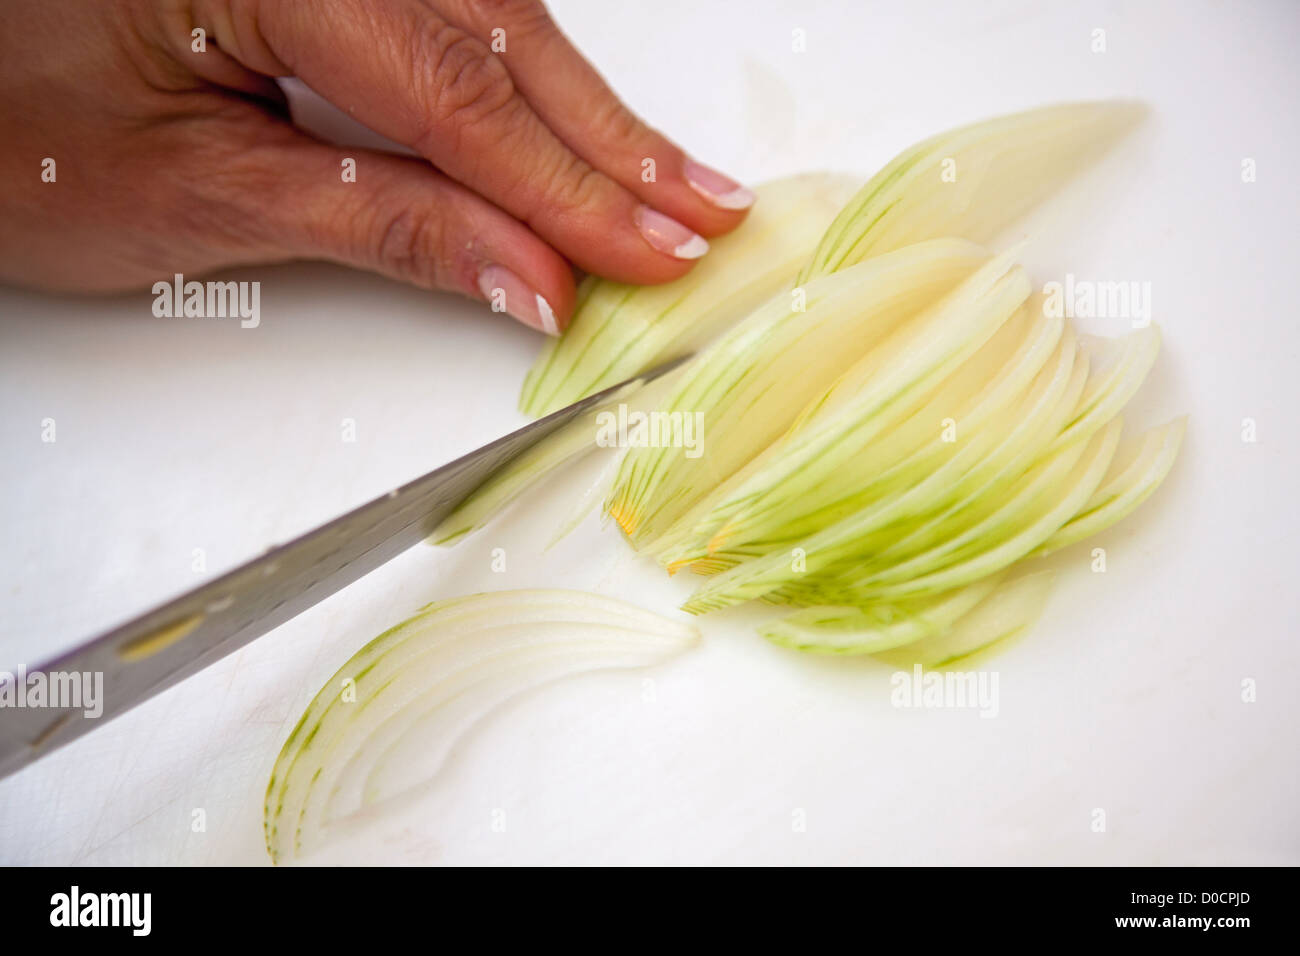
[1009, 611]
[619, 330]
[972, 181]
[744, 380]
[433, 675]
[819, 454]
[1125, 487]
[876, 627]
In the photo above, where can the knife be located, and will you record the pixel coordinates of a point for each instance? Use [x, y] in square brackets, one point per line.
[147, 655]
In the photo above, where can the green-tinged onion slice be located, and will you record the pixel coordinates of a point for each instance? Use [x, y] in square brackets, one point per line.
[1009, 611]
[439, 671]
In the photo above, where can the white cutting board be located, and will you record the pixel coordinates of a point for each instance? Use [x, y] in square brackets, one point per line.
[184, 434]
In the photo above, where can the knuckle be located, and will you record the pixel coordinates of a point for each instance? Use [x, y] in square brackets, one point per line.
[575, 184]
[405, 243]
[618, 122]
[465, 81]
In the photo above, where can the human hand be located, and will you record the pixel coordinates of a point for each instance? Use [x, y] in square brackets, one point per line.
[171, 159]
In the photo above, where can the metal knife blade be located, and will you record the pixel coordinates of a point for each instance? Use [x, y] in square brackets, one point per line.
[146, 655]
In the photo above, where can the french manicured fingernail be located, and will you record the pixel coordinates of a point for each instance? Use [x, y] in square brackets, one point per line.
[668, 235]
[508, 293]
[722, 191]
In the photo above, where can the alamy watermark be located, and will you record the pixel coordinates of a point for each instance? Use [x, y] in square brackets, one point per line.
[636, 429]
[970, 690]
[132, 911]
[60, 690]
[208, 300]
[1089, 299]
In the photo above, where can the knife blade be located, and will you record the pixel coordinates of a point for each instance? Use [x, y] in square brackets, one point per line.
[163, 646]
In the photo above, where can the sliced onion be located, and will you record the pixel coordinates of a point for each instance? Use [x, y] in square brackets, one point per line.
[829, 480]
[621, 330]
[1125, 488]
[744, 380]
[1009, 611]
[883, 386]
[972, 181]
[873, 628]
[439, 671]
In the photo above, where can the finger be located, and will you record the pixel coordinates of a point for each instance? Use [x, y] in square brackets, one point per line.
[569, 95]
[425, 83]
[396, 216]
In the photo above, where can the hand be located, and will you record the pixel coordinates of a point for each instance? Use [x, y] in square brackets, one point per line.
[170, 159]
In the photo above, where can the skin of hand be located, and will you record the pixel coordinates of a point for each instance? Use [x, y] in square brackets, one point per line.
[169, 158]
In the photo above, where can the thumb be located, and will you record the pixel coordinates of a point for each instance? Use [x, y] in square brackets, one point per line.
[400, 217]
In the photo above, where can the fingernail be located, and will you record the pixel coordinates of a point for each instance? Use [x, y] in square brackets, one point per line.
[506, 292]
[668, 235]
[723, 191]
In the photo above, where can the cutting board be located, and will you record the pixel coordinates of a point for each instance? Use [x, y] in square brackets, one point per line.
[185, 446]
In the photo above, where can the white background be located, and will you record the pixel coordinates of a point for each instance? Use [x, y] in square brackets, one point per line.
[184, 433]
